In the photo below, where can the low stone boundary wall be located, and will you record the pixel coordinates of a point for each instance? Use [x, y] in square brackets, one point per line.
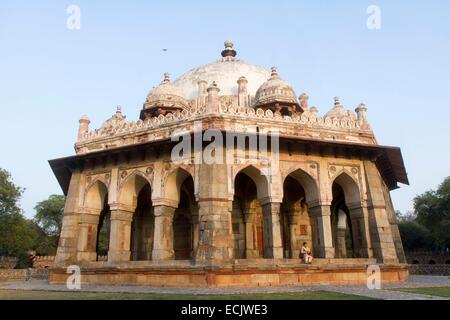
[430, 269]
[12, 274]
[21, 274]
[7, 262]
[43, 262]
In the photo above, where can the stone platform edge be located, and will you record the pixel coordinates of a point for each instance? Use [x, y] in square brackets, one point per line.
[234, 276]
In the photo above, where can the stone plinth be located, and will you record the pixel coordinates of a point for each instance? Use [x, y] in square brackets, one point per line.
[240, 273]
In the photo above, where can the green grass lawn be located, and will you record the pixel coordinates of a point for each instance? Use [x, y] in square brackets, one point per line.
[432, 291]
[53, 295]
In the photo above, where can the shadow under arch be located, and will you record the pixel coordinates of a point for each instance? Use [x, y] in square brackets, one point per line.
[250, 237]
[135, 195]
[260, 180]
[299, 191]
[94, 223]
[346, 231]
[185, 221]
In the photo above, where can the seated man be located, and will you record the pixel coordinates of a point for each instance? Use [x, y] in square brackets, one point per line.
[305, 254]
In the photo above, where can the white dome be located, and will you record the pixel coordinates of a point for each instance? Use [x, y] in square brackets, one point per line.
[225, 73]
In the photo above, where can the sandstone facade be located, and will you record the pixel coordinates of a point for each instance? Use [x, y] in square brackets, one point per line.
[298, 177]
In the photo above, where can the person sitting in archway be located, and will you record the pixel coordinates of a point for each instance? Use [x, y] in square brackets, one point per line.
[305, 254]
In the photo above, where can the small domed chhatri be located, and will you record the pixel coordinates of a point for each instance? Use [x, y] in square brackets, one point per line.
[277, 95]
[339, 112]
[265, 174]
[163, 99]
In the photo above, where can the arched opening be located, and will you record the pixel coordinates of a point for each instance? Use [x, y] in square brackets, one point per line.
[247, 219]
[415, 262]
[104, 229]
[136, 193]
[447, 261]
[431, 262]
[94, 225]
[295, 219]
[341, 224]
[185, 216]
[142, 226]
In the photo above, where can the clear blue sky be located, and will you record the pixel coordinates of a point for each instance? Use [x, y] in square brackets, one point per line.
[50, 76]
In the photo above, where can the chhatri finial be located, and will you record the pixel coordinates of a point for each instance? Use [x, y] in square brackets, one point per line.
[229, 54]
[119, 109]
[361, 107]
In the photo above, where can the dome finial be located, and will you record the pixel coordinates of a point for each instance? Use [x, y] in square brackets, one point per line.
[229, 54]
[274, 71]
[337, 102]
[166, 77]
[228, 44]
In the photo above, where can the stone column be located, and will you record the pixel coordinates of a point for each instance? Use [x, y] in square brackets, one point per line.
[215, 236]
[195, 230]
[120, 235]
[359, 217]
[163, 234]
[87, 237]
[273, 246]
[341, 244]
[293, 224]
[322, 235]
[215, 241]
[250, 245]
[380, 228]
[67, 246]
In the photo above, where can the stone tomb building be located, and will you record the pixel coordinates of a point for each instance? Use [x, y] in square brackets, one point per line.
[323, 180]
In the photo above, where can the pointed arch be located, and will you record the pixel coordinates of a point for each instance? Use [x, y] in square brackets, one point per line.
[300, 190]
[261, 181]
[173, 182]
[309, 184]
[350, 187]
[95, 195]
[131, 187]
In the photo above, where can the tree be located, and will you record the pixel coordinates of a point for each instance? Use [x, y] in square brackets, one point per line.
[432, 210]
[432, 206]
[17, 235]
[48, 219]
[49, 214]
[415, 236]
[9, 194]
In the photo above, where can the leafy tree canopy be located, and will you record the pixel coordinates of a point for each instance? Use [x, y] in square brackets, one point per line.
[430, 220]
[9, 194]
[49, 214]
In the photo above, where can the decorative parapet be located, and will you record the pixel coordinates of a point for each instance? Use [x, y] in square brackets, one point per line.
[118, 127]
